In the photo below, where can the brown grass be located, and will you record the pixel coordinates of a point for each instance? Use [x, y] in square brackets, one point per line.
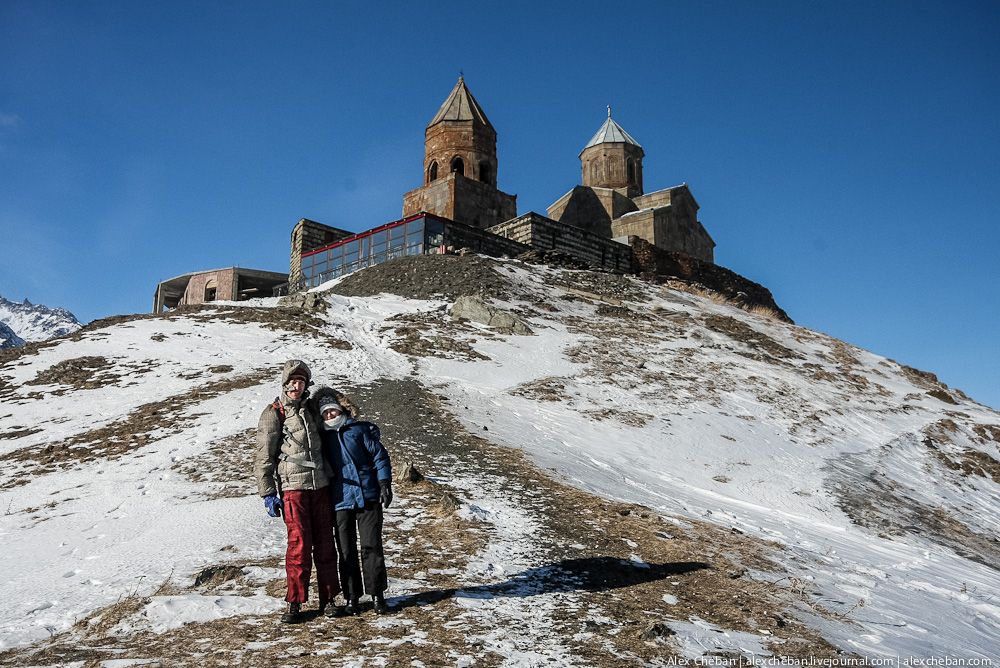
[114, 440]
[225, 466]
[764, 346]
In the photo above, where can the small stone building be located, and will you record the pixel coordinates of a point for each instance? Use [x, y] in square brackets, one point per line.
[230, 284]
[611, 202]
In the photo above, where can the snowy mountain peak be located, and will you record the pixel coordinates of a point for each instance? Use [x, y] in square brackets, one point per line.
[8, 339]
[35, 322]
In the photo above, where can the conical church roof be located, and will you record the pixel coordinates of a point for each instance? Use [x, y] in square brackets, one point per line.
[611, 133]
[461, 106]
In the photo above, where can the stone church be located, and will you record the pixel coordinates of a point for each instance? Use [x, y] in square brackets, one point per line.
[460, 184]
[611, 202]
[607, 222]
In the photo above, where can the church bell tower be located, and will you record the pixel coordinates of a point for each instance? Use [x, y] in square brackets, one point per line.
[460, 166]
[613, 159]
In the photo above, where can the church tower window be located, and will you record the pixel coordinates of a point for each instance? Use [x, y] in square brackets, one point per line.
[458, 166]
[432, 173]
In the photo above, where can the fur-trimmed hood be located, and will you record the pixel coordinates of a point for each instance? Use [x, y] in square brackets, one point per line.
[295, 366]
[349, 406]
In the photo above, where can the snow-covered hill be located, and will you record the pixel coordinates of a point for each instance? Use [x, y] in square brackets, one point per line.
[35, 322]
[647, 474]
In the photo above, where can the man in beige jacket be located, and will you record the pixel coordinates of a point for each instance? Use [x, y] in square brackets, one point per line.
[293, 480]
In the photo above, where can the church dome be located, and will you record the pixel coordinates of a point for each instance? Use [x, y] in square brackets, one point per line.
[611, 133]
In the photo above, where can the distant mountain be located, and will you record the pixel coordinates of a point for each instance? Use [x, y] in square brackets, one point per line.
[34, 322]
[8, 339]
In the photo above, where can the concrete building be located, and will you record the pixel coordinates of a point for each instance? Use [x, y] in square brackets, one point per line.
[229, 284]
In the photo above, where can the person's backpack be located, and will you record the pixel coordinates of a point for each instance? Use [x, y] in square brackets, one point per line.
[280, 410]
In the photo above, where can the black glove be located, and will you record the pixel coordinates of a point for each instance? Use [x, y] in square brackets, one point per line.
[385, 496]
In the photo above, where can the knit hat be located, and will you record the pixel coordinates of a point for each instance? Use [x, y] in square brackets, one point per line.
[328, 402]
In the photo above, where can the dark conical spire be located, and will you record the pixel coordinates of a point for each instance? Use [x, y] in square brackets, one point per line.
[461, 106]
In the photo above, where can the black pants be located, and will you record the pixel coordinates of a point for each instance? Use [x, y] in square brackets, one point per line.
[366, 524]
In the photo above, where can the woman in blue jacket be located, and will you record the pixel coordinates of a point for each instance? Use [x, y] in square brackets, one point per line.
[361, 487]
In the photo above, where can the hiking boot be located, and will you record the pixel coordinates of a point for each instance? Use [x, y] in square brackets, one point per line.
[293, 615]
[379, 605]
[331, 610]
[352, 608]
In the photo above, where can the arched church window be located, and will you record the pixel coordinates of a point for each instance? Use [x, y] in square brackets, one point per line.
[484, 171]
[432, 173]
[631, 172]
[595, 171]
[458, 166]
[614, 168]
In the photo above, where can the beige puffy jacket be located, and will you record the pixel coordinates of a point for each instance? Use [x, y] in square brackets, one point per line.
[289, 455]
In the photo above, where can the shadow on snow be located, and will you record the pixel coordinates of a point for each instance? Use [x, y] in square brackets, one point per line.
[568, 575]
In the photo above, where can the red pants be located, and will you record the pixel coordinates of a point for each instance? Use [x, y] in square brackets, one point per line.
[309, 517]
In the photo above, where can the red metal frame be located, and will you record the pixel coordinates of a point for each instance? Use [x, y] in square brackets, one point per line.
[380, 228]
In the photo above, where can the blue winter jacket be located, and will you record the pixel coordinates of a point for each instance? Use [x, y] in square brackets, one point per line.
[359, 462]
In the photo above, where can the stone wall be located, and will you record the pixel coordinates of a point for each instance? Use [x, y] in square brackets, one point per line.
[459, 236]
[654, 199]
[463, 200]
[670, 264]
[307, 235]
[436, 198]
[541, 233]
[671, 228]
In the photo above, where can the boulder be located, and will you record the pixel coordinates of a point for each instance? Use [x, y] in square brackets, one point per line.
[473, 308]
[309, 301]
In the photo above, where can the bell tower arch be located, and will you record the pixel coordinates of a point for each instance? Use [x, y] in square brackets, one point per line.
[461, 137]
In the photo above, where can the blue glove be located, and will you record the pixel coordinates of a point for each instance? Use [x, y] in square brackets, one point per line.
[273, 505]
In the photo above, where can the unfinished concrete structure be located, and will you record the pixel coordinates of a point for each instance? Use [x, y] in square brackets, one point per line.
[229, 284]
[460, 166]
[611, 202]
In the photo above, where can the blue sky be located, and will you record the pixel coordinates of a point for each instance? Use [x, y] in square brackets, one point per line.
[845, 154]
